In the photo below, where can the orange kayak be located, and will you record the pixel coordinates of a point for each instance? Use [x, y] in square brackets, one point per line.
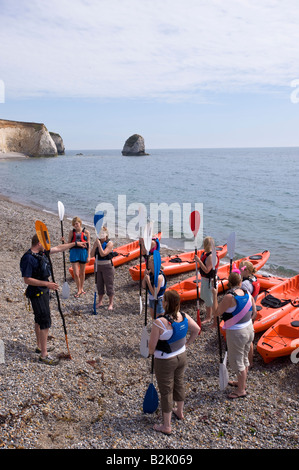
[281, 339]
[187, 288]
[175, 264]
[125, 253]
[267, 281]
[267, 316]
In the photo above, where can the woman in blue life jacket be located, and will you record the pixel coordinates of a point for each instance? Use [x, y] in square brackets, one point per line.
[238, 311]
[206, 273]
[168, 345]
[79, 256]
[148, 283]
[102, 250]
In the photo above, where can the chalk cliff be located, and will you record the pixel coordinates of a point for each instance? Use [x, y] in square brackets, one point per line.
[134, 146]
[29, 138]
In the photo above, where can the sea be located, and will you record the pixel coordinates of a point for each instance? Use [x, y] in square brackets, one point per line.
[250, 191]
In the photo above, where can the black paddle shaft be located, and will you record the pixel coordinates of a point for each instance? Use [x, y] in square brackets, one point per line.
[57, 296]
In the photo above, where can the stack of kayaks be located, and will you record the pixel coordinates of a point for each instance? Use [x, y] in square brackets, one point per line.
[281, 322]
[175, 264]
[187, 288]
[287, 290]
[281, 339]
[125, 253]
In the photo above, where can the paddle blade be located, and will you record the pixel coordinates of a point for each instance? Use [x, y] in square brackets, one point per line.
[194, 222]
[98, 221]
[151, 399]
[60, 210]
[223, 376]
[65, 291]
[231, 244]
[147, 235]
[43, 234]
[144, 342]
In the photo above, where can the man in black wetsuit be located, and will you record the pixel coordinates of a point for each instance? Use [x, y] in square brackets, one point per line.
[35, 269]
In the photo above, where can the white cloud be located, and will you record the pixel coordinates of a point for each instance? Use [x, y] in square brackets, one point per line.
[167, 49]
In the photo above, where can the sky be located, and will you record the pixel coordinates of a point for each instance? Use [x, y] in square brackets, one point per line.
[182, 73]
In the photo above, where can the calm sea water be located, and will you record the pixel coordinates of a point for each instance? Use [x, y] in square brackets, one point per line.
[253, 192]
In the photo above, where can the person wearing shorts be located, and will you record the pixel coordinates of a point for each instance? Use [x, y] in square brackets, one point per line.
[36, 271]
[238, 311]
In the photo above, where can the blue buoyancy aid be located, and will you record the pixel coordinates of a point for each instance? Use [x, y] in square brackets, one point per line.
[178, 338]
[242, 312]
[163, 288]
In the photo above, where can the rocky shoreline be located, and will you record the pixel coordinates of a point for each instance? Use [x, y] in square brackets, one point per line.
[94, 401]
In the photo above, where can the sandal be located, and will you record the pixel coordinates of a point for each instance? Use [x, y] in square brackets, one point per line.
[50, 361]
[234, 395]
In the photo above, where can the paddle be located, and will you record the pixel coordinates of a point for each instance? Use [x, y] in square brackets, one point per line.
[141, 219]
[65, 287]
[194, 221]
[44, 238]
[223, 374]
[231, 243]
[147, 238]
[151, 399]
[98, 222]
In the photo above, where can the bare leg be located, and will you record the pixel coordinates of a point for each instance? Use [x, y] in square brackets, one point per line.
[178, 410]
[110, 303]
[208, 316]
[166, 426]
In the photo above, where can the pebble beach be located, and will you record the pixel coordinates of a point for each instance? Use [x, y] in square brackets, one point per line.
[94, 400]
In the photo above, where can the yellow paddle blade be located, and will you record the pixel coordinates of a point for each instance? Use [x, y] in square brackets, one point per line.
[43, 234]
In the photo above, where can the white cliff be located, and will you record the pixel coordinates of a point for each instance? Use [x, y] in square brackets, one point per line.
[28, 138]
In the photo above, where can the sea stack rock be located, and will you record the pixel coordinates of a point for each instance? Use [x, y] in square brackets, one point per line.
[134, 146]
[29, 138]
[58, 142]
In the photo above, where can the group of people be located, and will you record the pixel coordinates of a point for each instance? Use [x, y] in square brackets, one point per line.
[172, 330]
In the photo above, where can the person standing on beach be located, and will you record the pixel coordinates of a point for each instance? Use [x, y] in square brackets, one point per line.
[168, 345]
[206, 272]
[148, 283]
[238, 311]
[79, 256]
[102, 250]
[36, 271]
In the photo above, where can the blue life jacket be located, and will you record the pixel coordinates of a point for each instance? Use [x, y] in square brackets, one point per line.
[178, 339]
[241, 301]
[163, 288]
